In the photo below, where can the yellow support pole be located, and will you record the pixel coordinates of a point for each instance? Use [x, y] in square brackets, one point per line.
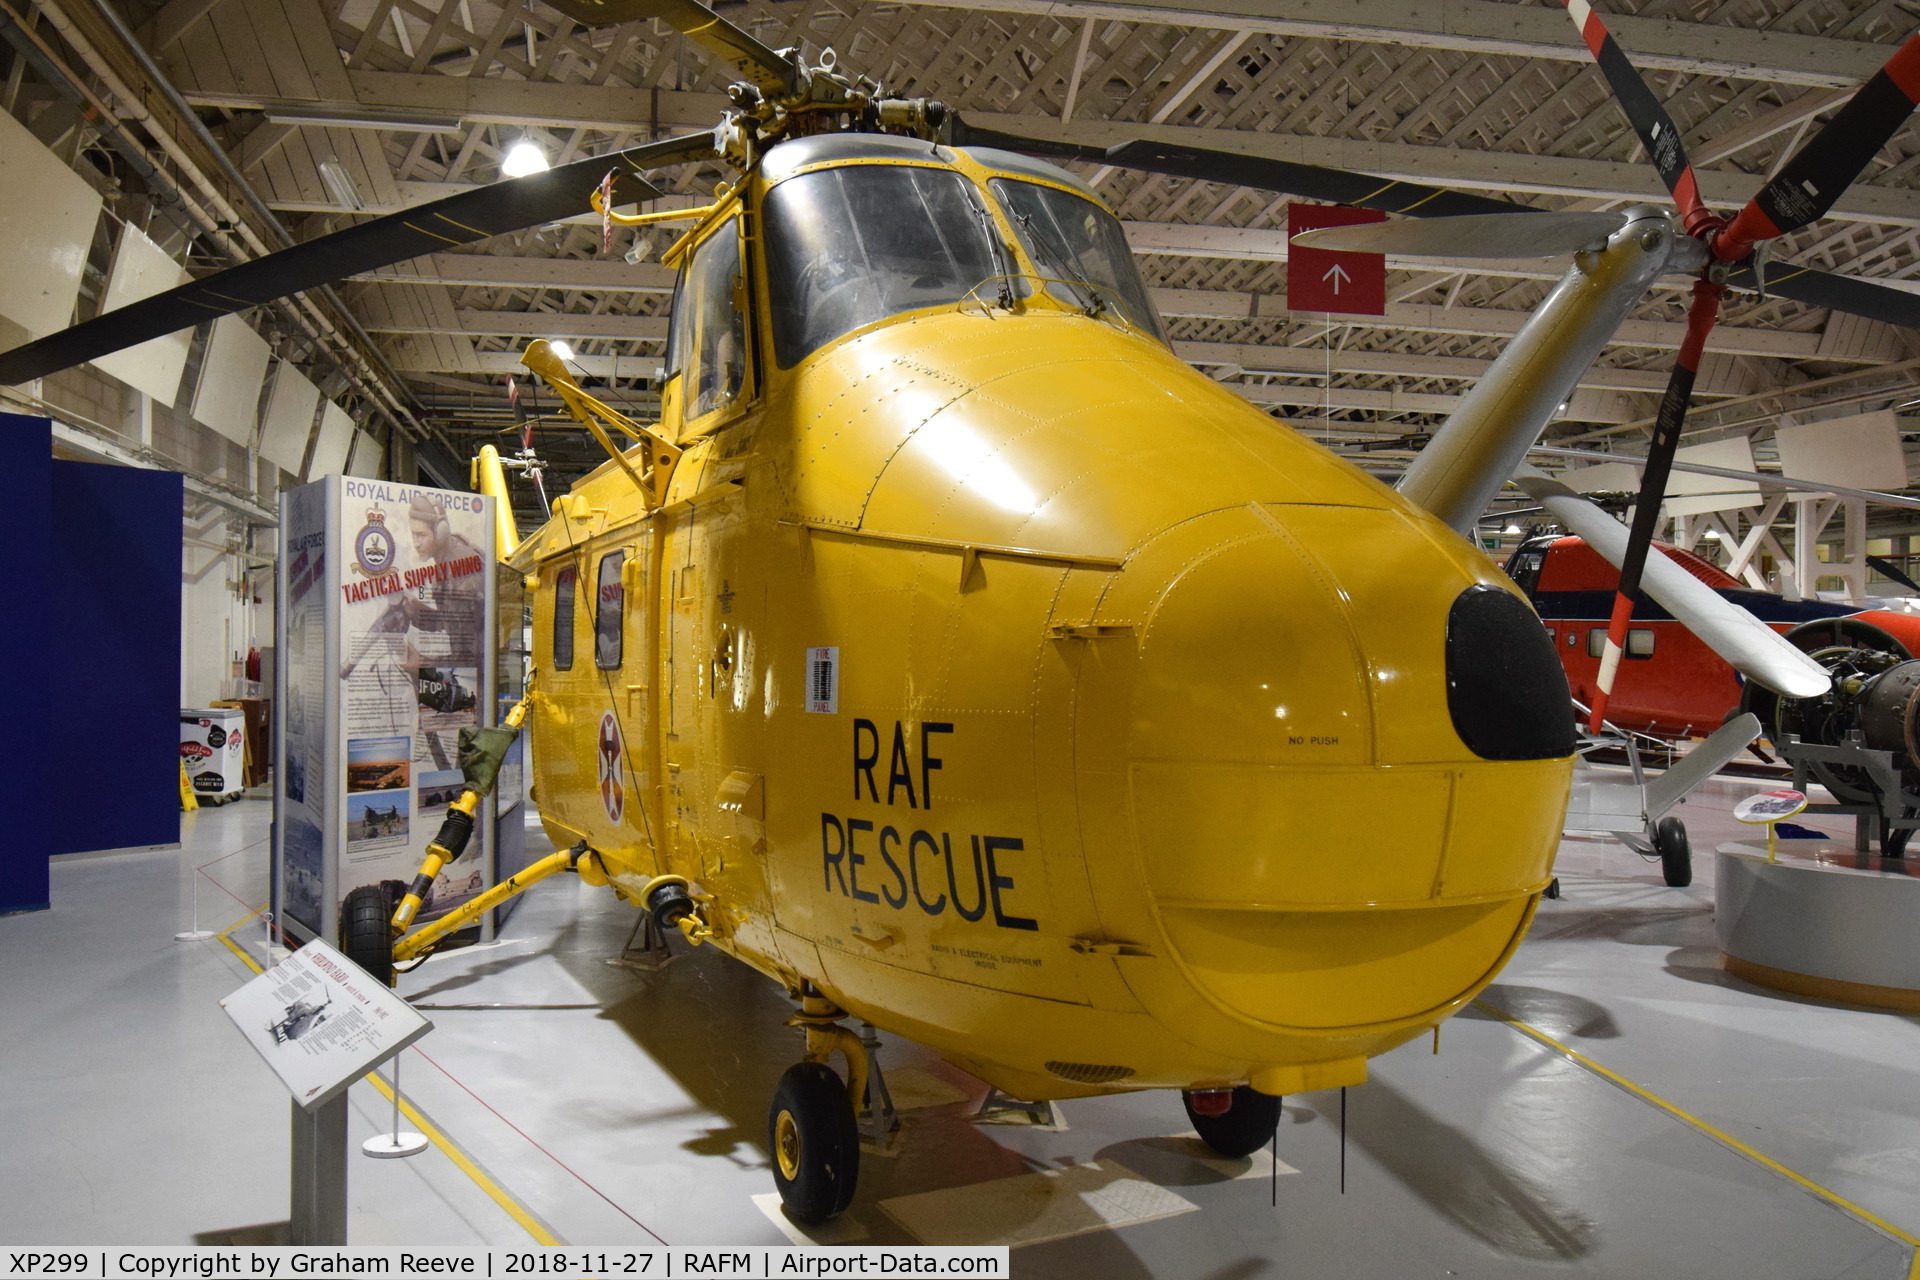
[423, 939]
[490, 478]
[455, 829]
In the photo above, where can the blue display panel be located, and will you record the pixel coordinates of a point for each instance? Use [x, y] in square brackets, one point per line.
[29, 638]
[112, 678]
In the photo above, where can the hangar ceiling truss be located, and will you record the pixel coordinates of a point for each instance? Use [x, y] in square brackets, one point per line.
[337, 107]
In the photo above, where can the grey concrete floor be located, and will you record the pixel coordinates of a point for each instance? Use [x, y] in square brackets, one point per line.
[616, 1106]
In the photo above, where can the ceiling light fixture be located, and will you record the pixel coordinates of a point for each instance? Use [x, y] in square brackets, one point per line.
[524, 157]
[560, 348]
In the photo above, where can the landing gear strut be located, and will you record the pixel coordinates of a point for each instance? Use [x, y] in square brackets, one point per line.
[813, 1128]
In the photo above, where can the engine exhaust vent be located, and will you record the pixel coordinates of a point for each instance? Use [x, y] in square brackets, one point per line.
[1088, 1072]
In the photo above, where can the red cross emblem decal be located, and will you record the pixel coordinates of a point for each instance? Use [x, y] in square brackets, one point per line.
[613, 796]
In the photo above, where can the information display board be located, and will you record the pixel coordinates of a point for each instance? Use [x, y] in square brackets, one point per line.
[388, 611]
[321, 1022]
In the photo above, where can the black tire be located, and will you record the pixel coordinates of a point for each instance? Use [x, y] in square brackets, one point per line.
[1244, 1128]
[813, 1143]
[1553, 889]
[365, 935]
[1676, 852]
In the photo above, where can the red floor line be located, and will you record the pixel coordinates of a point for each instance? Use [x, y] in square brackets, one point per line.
[537, 1147]
[236, 853]
[571, 1172]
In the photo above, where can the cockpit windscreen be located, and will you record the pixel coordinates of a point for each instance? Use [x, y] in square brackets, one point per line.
[1080, 245]
[852, 245]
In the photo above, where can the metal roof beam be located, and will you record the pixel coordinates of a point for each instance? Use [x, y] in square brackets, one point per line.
[1488, 27]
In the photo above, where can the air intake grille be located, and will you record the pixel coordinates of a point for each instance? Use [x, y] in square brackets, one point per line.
[1088, 1072]
[1506, 691]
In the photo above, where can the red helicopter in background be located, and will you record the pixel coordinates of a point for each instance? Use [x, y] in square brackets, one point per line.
[1670, 684]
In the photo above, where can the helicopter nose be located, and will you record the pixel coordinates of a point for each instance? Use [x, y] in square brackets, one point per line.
[1299, 739]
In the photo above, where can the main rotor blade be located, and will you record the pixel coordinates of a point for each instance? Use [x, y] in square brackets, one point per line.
[764, 66]
[1309, 181]
[1756, 650]
[1474, 235]
[459, 219]
[1649, 119]
[1335, 186]
[1807, 185]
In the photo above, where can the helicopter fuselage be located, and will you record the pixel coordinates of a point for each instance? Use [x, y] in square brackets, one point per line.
[1030, 695]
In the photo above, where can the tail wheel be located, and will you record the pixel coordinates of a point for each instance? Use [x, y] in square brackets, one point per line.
[366, 938]
[814, 1143]
[1243, 1128]
[1676, 852]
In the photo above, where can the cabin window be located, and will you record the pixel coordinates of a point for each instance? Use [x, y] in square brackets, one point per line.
[708, 341]
[849, 246]
[1080, 246]
[1639, 642]
[563, 584]
[610, 611]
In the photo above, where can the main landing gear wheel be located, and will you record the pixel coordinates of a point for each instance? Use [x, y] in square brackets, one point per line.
[365, 937]
[814, 1143]
[1243, 1128]
[1676, 852]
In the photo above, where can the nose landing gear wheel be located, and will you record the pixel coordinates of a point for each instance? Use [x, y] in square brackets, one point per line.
[1243, 1128]
[365, 937]
[1676, 852]
[814, 1143]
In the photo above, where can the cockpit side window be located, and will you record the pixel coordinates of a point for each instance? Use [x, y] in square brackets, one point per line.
[856, 244]
[1080, 246]
[708, 343]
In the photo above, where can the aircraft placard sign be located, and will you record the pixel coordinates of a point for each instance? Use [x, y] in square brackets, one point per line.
[1325, 280]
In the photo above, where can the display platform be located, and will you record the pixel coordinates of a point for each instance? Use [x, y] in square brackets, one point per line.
[1821, 921]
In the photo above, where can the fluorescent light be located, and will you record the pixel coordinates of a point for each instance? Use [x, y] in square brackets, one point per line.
[524, 157]
[339, 184]
[1513, 528]
[385, 121]
[560, 348]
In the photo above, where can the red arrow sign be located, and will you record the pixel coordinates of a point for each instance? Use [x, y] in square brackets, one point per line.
[1322, 280]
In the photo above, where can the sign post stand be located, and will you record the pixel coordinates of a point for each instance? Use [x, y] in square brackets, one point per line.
[319, 1173]
[322, 1022]
[395, 1145]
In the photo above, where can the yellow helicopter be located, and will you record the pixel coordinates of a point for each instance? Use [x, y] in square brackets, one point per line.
[955, 655]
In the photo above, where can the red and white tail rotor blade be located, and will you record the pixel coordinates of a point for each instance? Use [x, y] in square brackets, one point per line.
[1807, 185]
[1649, 119]
[1653, 486]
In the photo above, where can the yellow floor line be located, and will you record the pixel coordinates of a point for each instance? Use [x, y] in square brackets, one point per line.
[1725, 1139]
[428, 1130]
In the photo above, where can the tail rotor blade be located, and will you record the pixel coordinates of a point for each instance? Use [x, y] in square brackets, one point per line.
[1649, 119]
[1524, 235]
[1807, 185]
[1653, 485]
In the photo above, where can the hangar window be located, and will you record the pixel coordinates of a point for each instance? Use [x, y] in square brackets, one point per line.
[708, 341]
[849, 246]
[610, 611]
[1081, 246]
[563, 585]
